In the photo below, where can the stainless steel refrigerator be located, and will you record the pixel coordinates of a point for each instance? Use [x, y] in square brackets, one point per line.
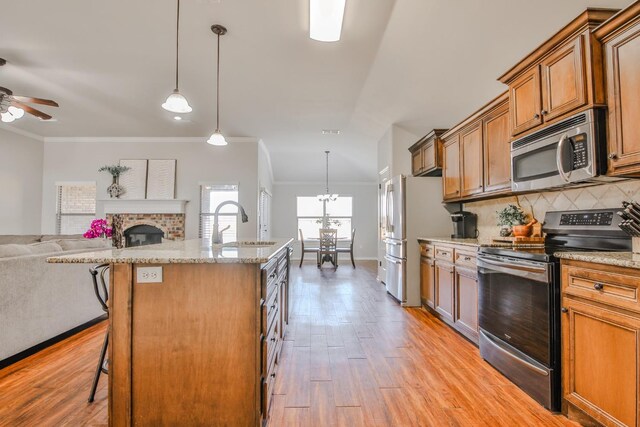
[411, 208]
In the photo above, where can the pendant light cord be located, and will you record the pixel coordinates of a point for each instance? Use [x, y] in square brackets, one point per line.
[177, 39]
[327, 153]
[217, 88]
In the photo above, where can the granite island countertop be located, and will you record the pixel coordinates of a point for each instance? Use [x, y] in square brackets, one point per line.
[620, 259]
[192, 251]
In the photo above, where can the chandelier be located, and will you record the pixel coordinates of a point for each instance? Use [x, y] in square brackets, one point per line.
[327, 197]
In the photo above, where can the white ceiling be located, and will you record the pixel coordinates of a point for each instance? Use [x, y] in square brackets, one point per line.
[421, 64]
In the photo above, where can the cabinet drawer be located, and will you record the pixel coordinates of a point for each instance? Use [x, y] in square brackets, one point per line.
[269, 278]
[426, 250]
[618, 290]
[444, 253]
[267, 394]
[269, 312]
[465, 258]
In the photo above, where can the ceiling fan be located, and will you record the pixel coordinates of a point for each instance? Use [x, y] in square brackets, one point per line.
[13, 107]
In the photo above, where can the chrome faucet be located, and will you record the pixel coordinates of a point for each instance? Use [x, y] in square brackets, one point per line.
[216, 235]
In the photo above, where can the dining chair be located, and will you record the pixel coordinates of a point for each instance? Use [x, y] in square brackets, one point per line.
[305, 249]
[349, 250]
[328, 246]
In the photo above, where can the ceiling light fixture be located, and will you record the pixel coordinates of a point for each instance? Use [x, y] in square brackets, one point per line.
[176, 102]
[177, 118]
[325, 19]
[216, 137]
[327, 197]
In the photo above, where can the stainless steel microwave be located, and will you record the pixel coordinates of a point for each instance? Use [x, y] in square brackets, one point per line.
[566, 153]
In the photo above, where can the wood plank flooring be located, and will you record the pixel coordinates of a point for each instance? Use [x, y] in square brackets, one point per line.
[352, 357]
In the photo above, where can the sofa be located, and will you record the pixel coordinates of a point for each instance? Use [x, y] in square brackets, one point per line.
[41, 301]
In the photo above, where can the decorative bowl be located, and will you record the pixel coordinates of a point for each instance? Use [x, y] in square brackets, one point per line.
[521, 230]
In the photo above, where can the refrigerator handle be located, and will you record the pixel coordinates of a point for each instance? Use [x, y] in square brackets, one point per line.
[390, 207]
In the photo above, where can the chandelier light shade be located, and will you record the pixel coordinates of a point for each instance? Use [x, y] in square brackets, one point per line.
[325, 19]
[216, 137]
[176, 102]
[327, 197]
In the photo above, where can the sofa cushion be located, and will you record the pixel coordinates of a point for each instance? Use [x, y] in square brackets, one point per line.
[72, 244]
[50, 237]
[19, 239]
[44, 247]
[12, 250]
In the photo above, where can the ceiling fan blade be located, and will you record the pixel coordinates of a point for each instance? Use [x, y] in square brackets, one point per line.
[39, 114]
[35, 100]
[5, 90]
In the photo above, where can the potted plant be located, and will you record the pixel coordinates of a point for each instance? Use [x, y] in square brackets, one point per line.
[115, 189]
[509, 217]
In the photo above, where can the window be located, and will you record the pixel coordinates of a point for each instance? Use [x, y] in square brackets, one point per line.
[210, 197]
[75, 207]
[311, 212]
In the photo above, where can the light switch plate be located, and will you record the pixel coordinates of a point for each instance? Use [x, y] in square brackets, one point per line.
[149, 274]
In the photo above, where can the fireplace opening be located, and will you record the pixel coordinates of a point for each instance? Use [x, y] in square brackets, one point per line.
[142, 235]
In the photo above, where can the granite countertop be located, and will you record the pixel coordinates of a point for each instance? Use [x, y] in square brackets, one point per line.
[193, 251]
[466, 242]
[620, 259]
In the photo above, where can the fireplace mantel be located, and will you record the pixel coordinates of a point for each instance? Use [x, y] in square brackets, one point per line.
[143, 206]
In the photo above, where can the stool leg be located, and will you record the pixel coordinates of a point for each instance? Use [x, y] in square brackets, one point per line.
[301, 258]
[96, 378]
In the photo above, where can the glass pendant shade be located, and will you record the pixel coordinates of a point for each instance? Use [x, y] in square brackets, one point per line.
[16, 112]
[7, 117]
[176, 103]
[217, 138]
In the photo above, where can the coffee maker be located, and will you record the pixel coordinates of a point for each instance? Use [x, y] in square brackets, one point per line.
[464, 225]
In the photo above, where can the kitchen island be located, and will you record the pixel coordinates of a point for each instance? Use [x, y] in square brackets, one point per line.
[195, 330]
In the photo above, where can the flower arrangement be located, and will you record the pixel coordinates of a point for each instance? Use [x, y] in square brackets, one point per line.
[98, 228]
[511, 215]
[114, 170]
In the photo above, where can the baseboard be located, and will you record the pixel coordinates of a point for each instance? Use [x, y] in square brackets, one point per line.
[48, 343]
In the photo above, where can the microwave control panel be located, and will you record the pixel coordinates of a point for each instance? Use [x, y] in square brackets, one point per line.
[591, 219]
[580, 156]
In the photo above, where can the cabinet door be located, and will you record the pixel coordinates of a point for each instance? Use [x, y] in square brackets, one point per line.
[451, 168]
[444, 283]
[429, 160]
[472, 160]
[623, 87]
[416, 162]
[466, 292]
[497, 150]
[525, 103]
[427, 290]
[563, 81]
[600, 362]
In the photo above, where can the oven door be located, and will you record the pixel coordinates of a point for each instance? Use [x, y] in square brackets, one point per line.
[516, 303]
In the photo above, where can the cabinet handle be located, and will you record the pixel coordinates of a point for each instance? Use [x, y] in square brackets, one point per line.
[613, 156]
[564, 309]
[273, 375]
[598, 286]
[273, 339]
[467, 258]
[544, 112]
[273, 306]
[536, 116]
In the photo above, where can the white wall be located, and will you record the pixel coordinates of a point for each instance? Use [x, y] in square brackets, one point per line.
[196, 162]
[285, 223]
[21, 161]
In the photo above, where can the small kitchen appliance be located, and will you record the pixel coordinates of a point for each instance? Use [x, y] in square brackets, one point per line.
[464, 225]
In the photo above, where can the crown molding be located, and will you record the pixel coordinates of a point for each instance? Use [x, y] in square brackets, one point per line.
[22, 132]
[140, 139]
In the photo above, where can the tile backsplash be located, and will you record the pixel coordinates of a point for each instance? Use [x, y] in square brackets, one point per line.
[592, 197]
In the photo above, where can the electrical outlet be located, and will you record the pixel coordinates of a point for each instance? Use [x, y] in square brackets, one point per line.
[149, 274]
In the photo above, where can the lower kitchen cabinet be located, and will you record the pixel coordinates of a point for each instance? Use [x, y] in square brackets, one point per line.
[600, 343]
[449, 285]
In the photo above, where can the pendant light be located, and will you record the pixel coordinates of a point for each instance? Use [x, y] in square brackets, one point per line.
[327, 197]
[176, 102]
[216, 137]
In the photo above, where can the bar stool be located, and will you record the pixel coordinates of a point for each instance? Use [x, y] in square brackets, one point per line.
[102, 293]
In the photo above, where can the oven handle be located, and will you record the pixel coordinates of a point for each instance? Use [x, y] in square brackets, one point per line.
[561, 171]
[529, 365]
[539, 274]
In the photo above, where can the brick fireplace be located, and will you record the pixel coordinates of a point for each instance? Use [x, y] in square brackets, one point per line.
[166, 215]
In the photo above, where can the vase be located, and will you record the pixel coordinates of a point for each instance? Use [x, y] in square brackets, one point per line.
[505, 231]
[115, 189]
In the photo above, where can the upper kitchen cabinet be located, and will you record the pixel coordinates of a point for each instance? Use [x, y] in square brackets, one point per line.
[477, 160]
[561, 76]
[426, 154]
[620, 37]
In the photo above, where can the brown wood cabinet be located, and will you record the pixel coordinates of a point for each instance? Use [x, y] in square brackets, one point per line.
[477, 154]
[426, 154]
[601, 342]
[449, 285]
[560, 77]
[621, 49]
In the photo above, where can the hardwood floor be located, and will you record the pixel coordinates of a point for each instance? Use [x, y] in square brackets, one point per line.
[352, 357]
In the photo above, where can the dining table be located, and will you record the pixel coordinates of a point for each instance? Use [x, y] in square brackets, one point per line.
[315, 242]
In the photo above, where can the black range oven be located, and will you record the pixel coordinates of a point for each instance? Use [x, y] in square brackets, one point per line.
[519, 299]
